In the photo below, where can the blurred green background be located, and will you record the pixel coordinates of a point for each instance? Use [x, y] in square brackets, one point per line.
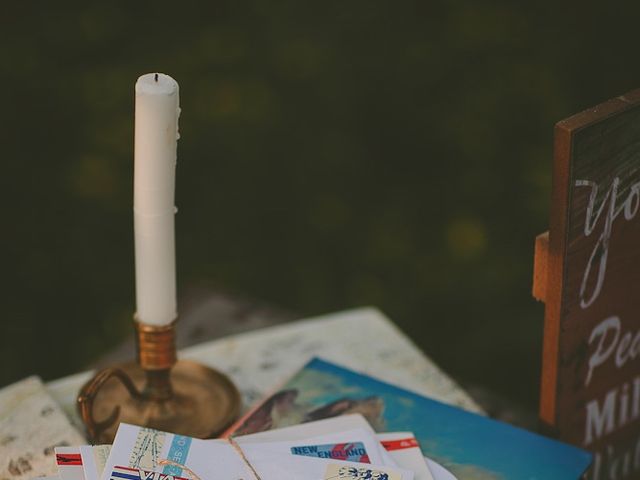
[333, 154]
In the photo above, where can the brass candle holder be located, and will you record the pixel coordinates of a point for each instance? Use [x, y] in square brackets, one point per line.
[158, 391]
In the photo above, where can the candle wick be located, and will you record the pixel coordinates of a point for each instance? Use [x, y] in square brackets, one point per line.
[156, 77]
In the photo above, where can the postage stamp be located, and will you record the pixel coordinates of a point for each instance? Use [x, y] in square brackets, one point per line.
[339, 472]
[350, 452]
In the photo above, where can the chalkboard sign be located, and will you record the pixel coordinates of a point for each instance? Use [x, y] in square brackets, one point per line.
[587, 270]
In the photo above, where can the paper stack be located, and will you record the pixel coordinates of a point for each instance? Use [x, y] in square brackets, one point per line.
[333, 449]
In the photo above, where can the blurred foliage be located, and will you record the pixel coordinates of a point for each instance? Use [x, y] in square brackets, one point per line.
[333, 154]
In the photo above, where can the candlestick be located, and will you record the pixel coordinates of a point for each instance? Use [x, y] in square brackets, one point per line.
[156, 135]
[182, 397]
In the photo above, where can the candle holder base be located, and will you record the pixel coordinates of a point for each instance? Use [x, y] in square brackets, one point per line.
[188, 399]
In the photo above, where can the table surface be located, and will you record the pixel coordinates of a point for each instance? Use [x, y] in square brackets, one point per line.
[259, 361]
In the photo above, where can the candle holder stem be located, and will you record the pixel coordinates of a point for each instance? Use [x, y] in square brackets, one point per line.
[158, 391]
[158, 385]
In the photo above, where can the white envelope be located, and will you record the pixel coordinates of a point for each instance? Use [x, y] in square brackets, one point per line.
[272, 467]
[412, 459]
[343, 422]
[358, 435]
[326, 426]
[136, 448]
[439, 472]
[406, 452]
[68, 469]
[94, 458]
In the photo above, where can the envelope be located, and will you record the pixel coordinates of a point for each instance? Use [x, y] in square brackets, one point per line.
[326, 426]
[94, 458]
[69, 463]
[281, 467]
[356, 445]
[410, 456]
[144, 453]
[404, 449]
[438, 471]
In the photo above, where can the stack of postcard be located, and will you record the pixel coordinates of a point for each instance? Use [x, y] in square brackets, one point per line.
[339, 448]
[470, 446]
[328, 422]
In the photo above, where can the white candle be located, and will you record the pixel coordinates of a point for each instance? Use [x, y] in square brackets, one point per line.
[156, 135]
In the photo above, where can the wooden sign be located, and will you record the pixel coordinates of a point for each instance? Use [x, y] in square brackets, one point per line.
[587, 270]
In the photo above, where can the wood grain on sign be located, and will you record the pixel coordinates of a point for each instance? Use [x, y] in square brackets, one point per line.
[587, 270]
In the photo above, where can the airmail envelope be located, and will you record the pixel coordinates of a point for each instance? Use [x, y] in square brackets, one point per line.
[272, 467]
[327, 426]
[356, 445]
[142, 453]
[69, 463]
[94, 458]
[404, 449]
